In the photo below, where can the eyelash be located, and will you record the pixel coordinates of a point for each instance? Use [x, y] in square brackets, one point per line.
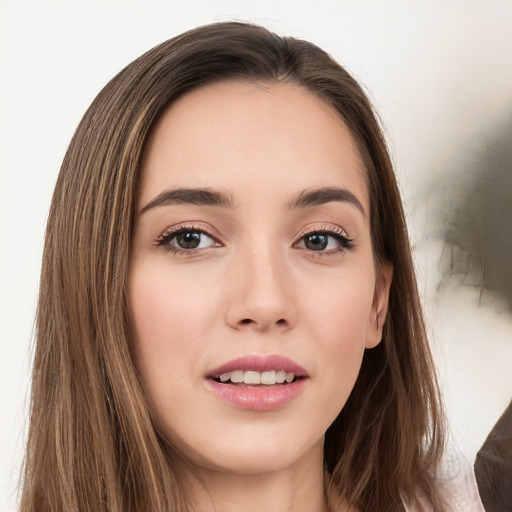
[340, 235]
[165, 239]
[335, 232]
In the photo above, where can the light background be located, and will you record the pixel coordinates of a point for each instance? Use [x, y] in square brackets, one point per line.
[439, 73]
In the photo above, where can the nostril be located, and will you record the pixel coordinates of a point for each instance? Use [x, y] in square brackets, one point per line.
[262, 324]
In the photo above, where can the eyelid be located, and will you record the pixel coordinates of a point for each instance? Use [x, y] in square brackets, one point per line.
[164, 239]
[322, 228]
[337, 232]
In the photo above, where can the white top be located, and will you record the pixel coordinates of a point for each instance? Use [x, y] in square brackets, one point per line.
[461, 493]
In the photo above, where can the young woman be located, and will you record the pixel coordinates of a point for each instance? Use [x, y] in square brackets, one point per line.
[228, 312]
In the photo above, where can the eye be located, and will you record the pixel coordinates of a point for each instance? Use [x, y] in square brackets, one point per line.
[186, 239]
[327, 241]
[318, 242]
[191, 240]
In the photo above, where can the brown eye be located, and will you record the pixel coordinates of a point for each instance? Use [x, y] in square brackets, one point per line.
[188, 239]
[316, 241]
[325, 241]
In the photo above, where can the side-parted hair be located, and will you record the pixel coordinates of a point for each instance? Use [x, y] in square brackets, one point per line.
[92, 444]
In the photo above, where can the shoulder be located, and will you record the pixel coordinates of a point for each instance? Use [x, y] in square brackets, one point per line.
[463, 492]
[460, 493]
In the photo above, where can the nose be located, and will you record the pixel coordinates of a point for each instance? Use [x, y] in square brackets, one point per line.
[262, 294]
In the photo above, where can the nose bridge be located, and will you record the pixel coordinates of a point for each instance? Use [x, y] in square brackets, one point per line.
[263, 296]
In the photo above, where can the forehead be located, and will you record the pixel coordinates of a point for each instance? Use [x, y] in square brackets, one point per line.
[238, 135]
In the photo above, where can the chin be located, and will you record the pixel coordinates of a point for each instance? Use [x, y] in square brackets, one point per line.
[246, 455]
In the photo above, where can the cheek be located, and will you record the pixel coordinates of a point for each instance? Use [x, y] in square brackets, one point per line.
[338, 320]
[169, 318]
[339, 309]
[167, 309]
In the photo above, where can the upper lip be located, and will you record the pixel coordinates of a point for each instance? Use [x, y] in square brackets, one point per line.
[257, 363]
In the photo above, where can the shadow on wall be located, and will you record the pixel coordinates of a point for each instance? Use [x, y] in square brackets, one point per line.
[478, 234]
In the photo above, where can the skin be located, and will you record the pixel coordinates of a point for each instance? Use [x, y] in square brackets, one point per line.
[253, 286]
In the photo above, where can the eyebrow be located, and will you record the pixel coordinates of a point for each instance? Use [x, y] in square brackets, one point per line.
[325, 195]
[199, 196]
[210, 197]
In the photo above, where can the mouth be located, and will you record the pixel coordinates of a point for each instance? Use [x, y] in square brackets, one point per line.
[258, 383]
[255, 370]
[250, 378]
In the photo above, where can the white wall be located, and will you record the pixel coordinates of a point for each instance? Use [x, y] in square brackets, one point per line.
[440, 73]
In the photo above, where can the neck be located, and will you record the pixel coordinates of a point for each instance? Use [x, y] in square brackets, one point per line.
[298, 487]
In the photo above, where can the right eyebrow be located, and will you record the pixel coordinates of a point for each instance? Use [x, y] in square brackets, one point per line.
[325, 195]
[199, 196]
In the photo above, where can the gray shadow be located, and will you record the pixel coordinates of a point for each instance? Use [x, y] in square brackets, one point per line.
[478, 234]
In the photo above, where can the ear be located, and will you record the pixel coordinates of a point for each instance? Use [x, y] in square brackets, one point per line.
[379, 305]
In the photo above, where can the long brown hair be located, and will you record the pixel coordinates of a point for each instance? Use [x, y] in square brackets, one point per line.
[92, 444]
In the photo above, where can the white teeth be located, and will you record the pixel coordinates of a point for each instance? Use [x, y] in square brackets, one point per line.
[269, 378]
[252, 378]
[237, 376]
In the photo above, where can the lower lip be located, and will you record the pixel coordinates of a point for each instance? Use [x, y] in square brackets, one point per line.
[257, 398]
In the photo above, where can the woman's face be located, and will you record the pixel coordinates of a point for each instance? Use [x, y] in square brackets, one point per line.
[252, 264]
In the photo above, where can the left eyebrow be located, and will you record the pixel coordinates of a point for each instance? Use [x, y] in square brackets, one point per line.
[199, 196]
[325, 195]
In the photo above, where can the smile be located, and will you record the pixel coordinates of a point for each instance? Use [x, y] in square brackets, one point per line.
[258, 383]
[252, 378]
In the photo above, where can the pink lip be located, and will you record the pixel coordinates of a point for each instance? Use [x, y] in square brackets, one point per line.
[264, 398]
[259, 364]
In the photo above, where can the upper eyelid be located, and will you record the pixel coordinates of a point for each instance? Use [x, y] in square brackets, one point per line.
[191, 227]
[213, 233]
[323, 228]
